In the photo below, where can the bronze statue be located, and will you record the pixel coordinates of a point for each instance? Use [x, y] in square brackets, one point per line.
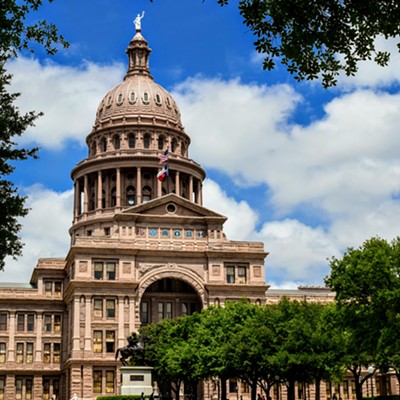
[135, 349]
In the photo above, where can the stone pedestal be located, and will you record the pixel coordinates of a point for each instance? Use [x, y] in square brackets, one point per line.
[136, 380]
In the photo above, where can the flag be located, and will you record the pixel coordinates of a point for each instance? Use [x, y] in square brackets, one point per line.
[163, 157]
[163, 173]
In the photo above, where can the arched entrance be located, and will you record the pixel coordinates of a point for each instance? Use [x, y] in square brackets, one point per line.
[168, 298]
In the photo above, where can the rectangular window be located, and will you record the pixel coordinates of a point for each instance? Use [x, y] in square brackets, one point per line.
[97, 341]
[57, 323]
[3, 322]
[232, 386]
[28, 389]
[144, 315]
[29, 353]
[56, 353]
[21, 322]
[98, 270]
[20, 353]
[111, 271]
[57, 290]
[97, 378]
[2, 387]
[230, 274]
[47, 323]
[300, 390]
[110, 341]
[353, 389]
[31, 323]
[110, 308]
[18, 388]
[46, 389]
[160, 311]
[346, 389]
[46, 353]
[184, 309]
[110, 382]
[48, 288]
[241, 274]
[168, 310]
[98, 308]
[2, 352]
[56, 388]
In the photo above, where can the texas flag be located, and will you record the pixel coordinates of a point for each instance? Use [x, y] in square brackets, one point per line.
[163, 173]
[163, 157]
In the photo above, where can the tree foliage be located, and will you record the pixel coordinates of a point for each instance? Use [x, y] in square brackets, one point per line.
[16, 35]
[318, 39]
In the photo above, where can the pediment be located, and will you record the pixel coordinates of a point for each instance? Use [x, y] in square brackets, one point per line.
[174, 207]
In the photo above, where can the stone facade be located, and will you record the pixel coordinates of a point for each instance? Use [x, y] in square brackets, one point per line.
[142, 249]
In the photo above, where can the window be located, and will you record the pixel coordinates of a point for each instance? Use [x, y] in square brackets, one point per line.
[146, 97]
[120, 98]
[110, 268]
[98, 341]
[146, 141]
[236, 273]
[47, 322]
[21, 322]
[47, 288]
[20, 353]
[2, 387]
[29, 353]
[160, 311]
[328, 389]
[168, 310]
[117, 143]
[56, 353]
[146, 194]
[131, 141]
[110, 379]
[232, 386]
[97, 378]
[31, 323]
[346, 389]
[158, 99]
[111, 271]
[184, 309]
[3, 321]
[132, 97]
[18, 388]
[104, 145]
[98, 308]
[107, 231]
[57, 323]
[110, 341]
[2, 352]
[144, 315]
[46, 389]
[23, 388]
[161, 143]
[130, 195]
[57, 290]
[110, 308]
[230, 274]
[46, 353]
[98, 270]
[241, 274]
[28, 389]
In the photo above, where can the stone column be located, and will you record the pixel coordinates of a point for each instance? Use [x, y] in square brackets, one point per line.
[75, 326]
[177, 184]
[77, 203]
[139, 185]
[39, 343]
[118, 187]
[11, 340]
[159, 188]
[99, 190]
[190, 188]
[86, 194]
[121, 338]
[108, 194]
[132, 314]
[88, 325]
[10, 386]
[37, 387]
[200, 200]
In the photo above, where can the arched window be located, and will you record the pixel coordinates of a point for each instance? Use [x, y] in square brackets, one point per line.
[104, 144]
[113, 197]
[173, 145]
[130, 195]
[146, 194]
[146, 141]
[183, 150]
[131, 141]
[103, 199]
[161, 143]
[94, 148]
[117, 142]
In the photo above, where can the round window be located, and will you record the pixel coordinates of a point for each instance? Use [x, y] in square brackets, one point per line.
[171, 208]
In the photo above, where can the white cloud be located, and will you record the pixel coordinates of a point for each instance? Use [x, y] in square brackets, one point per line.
[68, 96]
[44, 232]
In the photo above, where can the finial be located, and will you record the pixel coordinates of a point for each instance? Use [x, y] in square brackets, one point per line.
[137, 23]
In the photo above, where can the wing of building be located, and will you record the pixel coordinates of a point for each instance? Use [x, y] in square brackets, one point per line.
[143, 248]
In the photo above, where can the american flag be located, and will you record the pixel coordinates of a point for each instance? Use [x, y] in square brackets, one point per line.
[163, 157]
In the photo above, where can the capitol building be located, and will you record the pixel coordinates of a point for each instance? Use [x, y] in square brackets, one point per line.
[143, 248]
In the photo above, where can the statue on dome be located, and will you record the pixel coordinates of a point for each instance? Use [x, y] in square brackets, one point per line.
[137, 22]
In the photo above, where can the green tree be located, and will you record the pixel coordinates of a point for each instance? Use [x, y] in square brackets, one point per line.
[366, 282]
[16, 35]
[318, 39]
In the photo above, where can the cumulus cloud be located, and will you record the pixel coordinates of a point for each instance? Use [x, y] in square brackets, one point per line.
[68, 96]
[44, 232]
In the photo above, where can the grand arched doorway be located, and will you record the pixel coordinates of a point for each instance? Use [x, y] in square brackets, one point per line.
[168, 298]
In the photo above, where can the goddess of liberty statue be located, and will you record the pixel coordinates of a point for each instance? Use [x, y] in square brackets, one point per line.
[137, 22]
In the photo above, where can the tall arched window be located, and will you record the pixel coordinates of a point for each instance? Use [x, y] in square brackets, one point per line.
[146, 194]
[161, 142]
[173, 145]
[104, 144]
[131, 141]
[117, 142]
[103, 199]
[130, 195]
[183, 150]
[94, 149]
[113, 197]
[146, 141]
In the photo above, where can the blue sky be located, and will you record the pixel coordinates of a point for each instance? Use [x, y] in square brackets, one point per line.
[307, 171]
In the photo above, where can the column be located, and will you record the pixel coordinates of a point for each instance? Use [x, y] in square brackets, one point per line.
[132, 315]
[121, 315]
[118, 187]
[190, 188]
[77, 202]
[159, 188]
[198, 194]
[99, 190]
[75, 326]
[107, 189]
[86, 194]
[88, 325]
[139, 185]
[177, 184]
[11, 340]
[39, 331]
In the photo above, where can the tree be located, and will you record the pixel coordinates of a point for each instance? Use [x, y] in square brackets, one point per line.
[318, 39]
[367, 282]
[16, 36]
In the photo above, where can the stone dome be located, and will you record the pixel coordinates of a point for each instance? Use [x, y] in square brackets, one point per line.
[138, 95]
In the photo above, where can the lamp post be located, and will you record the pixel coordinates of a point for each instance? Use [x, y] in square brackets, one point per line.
[371, 371]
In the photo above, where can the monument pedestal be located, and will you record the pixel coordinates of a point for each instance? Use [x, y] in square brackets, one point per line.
[136, 380]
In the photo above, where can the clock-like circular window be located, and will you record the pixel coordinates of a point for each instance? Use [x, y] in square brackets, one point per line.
[171, 208]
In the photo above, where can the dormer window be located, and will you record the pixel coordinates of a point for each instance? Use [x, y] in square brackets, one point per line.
[120, 99]
[109, 101]
[158, 99]
[168, 102]
[146, 98]
[132, 97]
